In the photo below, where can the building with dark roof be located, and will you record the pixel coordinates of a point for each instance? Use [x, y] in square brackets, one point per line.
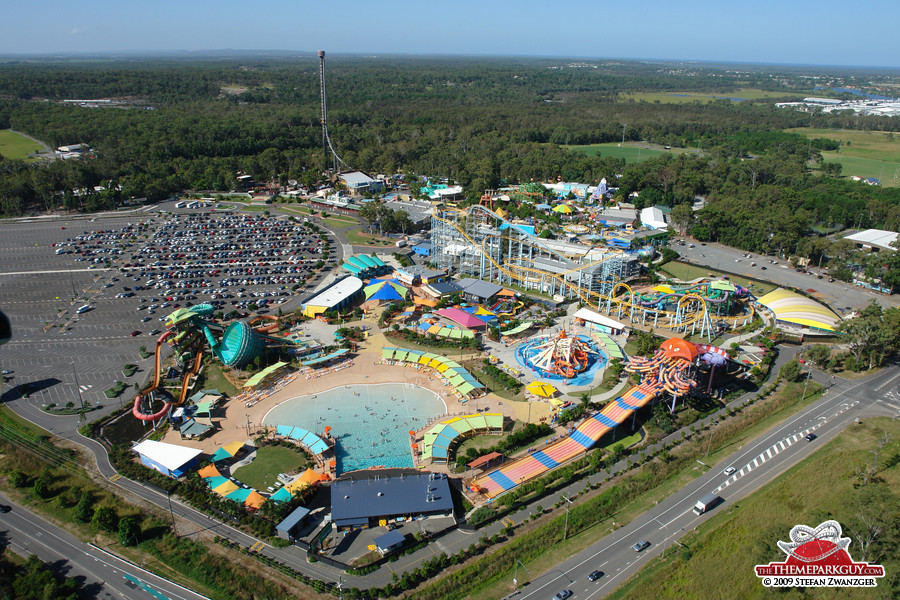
[389, 541]
[291, 525]
[475, 290]
[364, 502]
[443, 288]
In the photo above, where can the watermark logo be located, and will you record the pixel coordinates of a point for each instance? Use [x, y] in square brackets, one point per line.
[818, 558]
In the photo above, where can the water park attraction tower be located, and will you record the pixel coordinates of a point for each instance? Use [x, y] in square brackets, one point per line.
[561, 355]
[239, 344]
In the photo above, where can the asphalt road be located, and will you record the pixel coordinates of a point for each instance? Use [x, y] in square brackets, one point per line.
[837, 294]
[100, 573]
[757, 463]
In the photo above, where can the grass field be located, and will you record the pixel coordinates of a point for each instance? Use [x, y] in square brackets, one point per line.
[14, 146]
[863, 153]
[631, 151]
[717, 560]
[263, 471]
[687, 97]
[340, 222]
[364, 239]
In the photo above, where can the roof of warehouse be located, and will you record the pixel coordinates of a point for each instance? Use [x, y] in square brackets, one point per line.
[404, 495]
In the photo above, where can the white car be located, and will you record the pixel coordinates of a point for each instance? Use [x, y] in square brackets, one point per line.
[729, 471]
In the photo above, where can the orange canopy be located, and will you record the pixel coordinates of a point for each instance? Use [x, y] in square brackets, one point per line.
[678, 348]
[424, 302]
[254, 500]
[209, 471]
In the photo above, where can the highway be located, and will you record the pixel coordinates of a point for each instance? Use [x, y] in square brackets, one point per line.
[101, 573]
[756, 464]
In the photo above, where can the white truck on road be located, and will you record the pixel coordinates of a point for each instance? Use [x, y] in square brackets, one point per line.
[706, 503]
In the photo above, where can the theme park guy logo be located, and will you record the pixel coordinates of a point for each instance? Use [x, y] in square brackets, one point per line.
[818, 558]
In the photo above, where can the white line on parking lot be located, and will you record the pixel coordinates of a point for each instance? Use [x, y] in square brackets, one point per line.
[57, 271]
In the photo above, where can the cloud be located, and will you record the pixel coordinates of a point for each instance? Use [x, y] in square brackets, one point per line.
[77, 30]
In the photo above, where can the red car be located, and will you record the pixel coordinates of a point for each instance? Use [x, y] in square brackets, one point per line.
[135, 332]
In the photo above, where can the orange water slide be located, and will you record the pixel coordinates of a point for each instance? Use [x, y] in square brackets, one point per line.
[136, 409]
[270, 328]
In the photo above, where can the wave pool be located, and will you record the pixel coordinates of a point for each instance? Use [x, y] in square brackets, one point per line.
[371, 423]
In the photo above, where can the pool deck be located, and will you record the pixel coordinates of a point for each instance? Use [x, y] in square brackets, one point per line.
[366, 369]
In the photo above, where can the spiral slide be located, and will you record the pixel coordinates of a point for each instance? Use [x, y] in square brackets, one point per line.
[136, 409]
[662, 372]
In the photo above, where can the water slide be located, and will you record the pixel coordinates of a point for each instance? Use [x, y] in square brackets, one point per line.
[136, 409]
[587, 433]
[270, 328]
[239, 343]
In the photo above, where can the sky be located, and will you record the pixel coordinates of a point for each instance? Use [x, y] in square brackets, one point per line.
[826, 32]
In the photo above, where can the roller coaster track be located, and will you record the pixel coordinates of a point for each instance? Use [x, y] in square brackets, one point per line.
[677, 319]
[690, 309]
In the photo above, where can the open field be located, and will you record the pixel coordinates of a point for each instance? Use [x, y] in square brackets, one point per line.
[263, 471]
[632, 152]
[686, 97]
[863, 153]
[14, 146]
[359, 238]
[717, 560]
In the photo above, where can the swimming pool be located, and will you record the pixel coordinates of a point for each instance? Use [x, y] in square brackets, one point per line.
[369, 422]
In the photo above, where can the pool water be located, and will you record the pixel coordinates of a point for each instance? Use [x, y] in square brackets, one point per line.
[371, 423]
[526, 351]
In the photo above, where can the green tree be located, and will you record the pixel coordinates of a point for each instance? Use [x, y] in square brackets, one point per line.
[84, 510]
[42, 484]
[106, 519]
[129, 531]
[790, 371]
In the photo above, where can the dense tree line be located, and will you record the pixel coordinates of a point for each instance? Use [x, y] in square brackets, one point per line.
[483, 123]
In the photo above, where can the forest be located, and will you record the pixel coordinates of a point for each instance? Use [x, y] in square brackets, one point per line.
[194, 125]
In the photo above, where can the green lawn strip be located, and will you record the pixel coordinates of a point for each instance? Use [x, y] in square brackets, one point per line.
[627, 152]
[363, 239]
[10, 419]
[627, 442]
[886, 172]
[262, 472]
[213, 379]
[16, 147]
[717, 559]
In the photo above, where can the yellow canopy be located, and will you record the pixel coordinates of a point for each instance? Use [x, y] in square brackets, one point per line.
[209, 471]
[226, 488]
[542, 389]
[233, 448]
[556, 402]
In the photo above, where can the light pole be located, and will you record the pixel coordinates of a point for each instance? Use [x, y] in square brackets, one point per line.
[666, 530]
[709, 442]
[340, 587]
[516, 573]
[80, 397]
[566, 530]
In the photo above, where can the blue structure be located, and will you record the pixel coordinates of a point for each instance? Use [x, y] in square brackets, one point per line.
[423, 249]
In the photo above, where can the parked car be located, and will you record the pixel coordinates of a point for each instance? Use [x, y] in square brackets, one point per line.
[134, 333]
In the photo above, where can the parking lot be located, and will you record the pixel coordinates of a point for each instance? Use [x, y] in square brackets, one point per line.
[129, 272]
[840, 296]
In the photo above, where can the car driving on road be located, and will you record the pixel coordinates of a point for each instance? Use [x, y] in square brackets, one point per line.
[641, 545]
